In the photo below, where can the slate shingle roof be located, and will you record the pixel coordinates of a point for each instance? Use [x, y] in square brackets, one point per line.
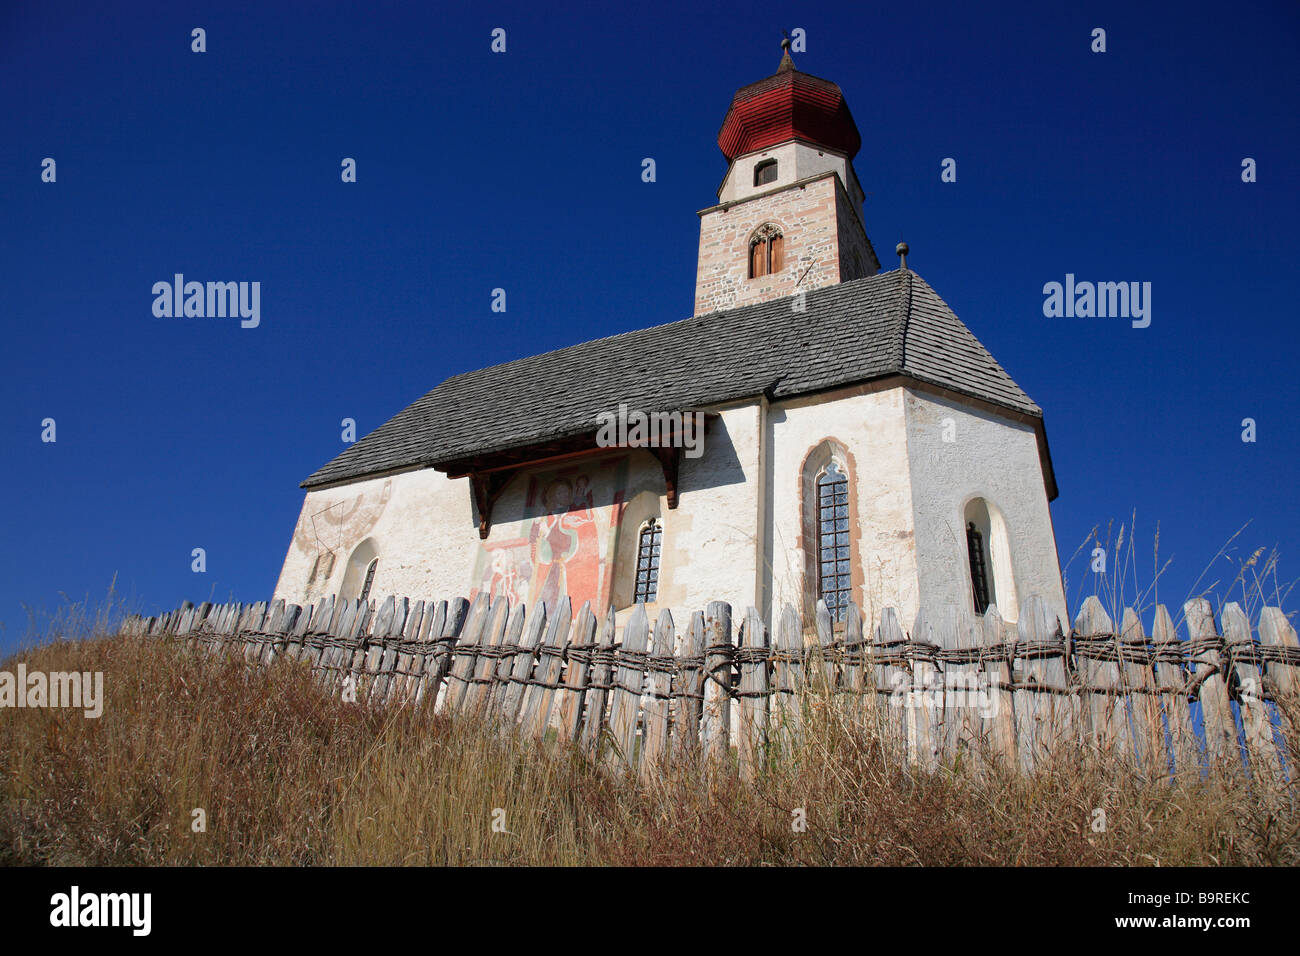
[852, 332]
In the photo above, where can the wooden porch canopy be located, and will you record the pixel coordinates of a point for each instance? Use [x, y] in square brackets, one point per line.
[490, 473]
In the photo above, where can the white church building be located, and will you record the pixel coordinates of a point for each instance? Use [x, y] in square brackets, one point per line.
[859, 443]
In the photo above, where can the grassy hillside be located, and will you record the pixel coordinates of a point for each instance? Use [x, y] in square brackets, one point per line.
[286, 775]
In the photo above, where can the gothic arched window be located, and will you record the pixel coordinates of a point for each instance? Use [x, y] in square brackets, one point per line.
[829, 532]
[649, 544]
[979, 572]
[766, 251]
[370, 578]
[765, 172]
[359, 575]
[833, 562]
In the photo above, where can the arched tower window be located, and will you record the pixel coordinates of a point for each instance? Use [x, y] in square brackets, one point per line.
[765, 172]
[649, 545]
[766, 251]
[833, 561]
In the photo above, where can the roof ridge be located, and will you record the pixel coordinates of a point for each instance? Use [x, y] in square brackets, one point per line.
[905, 292]
[983, 350]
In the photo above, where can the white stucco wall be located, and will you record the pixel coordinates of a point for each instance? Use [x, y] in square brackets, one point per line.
[989, 457]
[425, 535]
[870, 425]
[795, 161]
[737, 534]
[420, 522]
[712, 539]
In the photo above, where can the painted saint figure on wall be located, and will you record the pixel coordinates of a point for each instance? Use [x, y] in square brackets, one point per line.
[559, 542]
[566, 554]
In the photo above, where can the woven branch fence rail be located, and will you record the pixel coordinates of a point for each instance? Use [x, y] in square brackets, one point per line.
[957, 684]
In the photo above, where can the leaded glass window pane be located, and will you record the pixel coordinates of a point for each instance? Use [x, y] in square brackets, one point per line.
[833, 564]
[649, 547]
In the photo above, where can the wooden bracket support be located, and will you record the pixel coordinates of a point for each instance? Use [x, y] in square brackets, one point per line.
[487, 487]
[670, 460]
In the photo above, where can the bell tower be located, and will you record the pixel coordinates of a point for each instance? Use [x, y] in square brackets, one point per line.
[789, 212]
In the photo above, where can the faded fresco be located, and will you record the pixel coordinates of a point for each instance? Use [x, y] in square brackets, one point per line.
[343, 522]
[562, 543]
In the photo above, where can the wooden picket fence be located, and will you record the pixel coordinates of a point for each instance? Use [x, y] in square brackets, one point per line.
[956, 686]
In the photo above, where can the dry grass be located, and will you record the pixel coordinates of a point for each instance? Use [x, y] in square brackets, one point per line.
[289, 776]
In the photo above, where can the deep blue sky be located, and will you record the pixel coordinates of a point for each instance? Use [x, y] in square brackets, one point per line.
[522, 171]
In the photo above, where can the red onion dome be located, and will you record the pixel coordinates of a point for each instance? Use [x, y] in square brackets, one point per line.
[788, 105]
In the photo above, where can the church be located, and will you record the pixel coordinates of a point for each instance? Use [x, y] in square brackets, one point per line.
[827, 431]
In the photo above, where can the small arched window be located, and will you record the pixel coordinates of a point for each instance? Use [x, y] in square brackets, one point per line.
[988, 556]
[979, 571]
[649, 544]
[765, 172]
[370, 579]
[766, 252]
[833, 562]
[359, 574]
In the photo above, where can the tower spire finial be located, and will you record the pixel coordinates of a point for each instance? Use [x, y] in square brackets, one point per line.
[786, 62]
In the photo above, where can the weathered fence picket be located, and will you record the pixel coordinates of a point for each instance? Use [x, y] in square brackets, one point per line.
[1103, 719]
[922, 716]
[1171, 682]
[1000, 682]
[789, 657]
[438, 663]
[966, 699]
[892, 679]
[482, 670]
[540, 693]
[715, 724]
[857, 668]
[751, 734]
[654, 737]
[465, 650]
[626, 695]
[1040, 702]
[1248, 681]
[1212, 689]
[593, 726]
[574, 689]
[521, 667]
[688, 690]
[1135, 665]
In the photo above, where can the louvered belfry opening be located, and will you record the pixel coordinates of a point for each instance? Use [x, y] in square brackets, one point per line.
[979, 578]
[766, 253]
